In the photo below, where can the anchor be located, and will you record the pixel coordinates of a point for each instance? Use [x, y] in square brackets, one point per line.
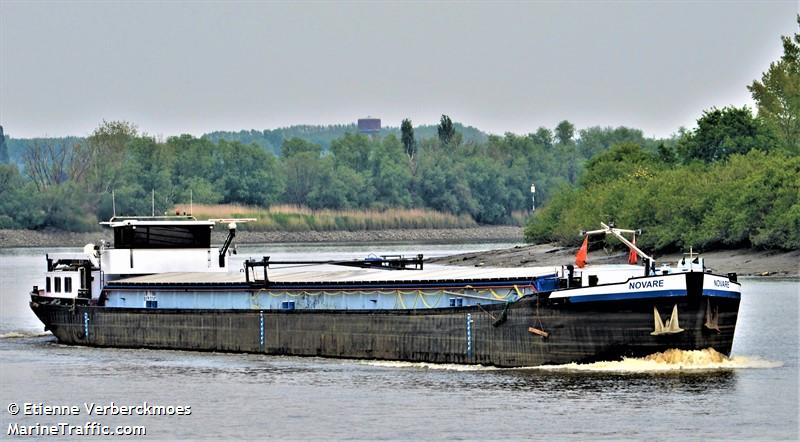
[671, 327]
[712, 317]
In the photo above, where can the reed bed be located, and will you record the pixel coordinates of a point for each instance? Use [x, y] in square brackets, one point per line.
[288, 218]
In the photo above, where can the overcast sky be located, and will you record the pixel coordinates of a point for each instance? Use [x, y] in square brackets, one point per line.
[195, 67]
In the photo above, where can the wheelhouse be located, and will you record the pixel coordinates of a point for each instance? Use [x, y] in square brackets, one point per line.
[182, 233]
[158, 244]
[69, 278]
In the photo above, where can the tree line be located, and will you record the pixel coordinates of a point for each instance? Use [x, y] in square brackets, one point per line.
[67, 183]
[733, 181]
[273, 139]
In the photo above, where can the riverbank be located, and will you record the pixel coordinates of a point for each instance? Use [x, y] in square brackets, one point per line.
[57, 238]
[745, 262]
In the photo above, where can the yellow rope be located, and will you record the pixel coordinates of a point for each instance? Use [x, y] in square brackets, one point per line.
[519, 293]
[496, 296]
[441, 295]
[402, 304]
[421, 297]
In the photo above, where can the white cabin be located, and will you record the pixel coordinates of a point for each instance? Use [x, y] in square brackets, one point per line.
[145, 246]
[70, 276]
[141, 246]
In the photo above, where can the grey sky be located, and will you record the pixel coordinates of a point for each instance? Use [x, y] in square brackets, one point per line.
[194, 67]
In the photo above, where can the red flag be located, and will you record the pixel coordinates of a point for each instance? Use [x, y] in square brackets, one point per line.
[580, 258]
[633, 258]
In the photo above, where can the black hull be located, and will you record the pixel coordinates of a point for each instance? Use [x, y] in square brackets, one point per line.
[497, 335]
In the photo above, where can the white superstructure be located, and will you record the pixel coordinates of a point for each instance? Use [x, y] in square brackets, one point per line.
[141, 246]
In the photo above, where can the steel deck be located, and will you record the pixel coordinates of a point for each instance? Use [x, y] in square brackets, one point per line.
[337, 275]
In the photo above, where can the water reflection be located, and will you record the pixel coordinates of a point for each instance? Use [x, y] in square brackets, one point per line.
[262, 369]
[605, 383]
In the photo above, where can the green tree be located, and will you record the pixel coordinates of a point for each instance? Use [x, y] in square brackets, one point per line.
[595, 140]
[543, 136]
[198, 167]
[407, 136]
[352, 150]
[295, 146]
[569, 162]
[565, 132]
[252, 175]
[4, 159]
[390, 177]
[622, 160]
[488, 187]
[443, 184]
[104, 155]
[722, 132]
[666, 154]
[338, 187]
[301, 165]
[10, 185]
[445, 130]
[145, 181]
[777, 95]
[750, 200]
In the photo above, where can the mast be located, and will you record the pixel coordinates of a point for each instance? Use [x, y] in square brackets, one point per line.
[606, 229]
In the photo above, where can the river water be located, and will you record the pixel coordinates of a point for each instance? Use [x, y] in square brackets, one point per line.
[753, 395]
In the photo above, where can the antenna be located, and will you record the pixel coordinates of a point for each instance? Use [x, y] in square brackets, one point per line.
[153, 201]
[113, 204]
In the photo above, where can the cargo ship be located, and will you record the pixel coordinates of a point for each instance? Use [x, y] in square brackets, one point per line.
[161, 284]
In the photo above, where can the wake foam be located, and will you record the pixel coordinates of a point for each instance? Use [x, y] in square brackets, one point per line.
[427, 366]
[671, 360]
[20, 334]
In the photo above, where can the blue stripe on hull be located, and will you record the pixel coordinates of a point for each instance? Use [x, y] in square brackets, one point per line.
[721, 294]
[627, 296]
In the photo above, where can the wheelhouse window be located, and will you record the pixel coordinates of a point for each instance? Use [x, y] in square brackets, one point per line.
[456, 302]
[162, 237]
[67, 285]
[47, 285]
[57, 281]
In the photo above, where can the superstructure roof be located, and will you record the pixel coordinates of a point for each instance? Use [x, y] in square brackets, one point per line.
[138, 222]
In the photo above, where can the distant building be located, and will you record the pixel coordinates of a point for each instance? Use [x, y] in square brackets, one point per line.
[369, 125]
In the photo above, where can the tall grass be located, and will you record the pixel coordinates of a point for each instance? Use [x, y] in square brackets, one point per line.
[288, 218]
